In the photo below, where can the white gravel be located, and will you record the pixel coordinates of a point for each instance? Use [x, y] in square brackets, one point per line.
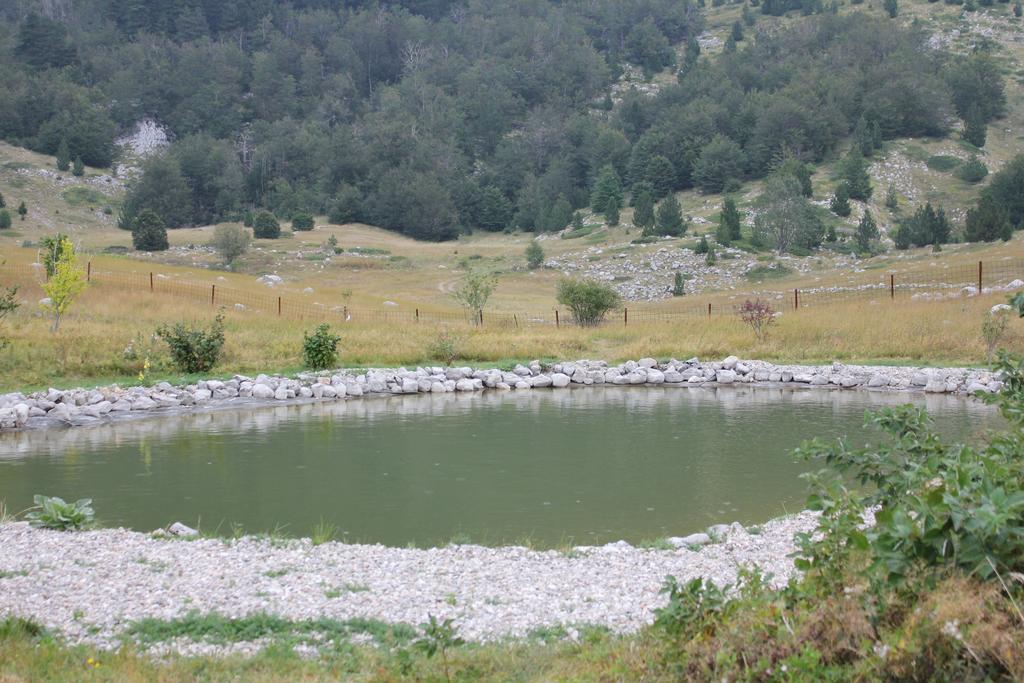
[90, 586]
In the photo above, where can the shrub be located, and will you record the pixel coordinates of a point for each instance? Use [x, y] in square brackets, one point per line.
[702, 246]
[149, 232]
[473, 293]
[230, 241]
[194, 349]
[678, 285]
[303, 221]
[247, 218]
[5, 219]
[972, 171]
[942, 162]
[265, 226]
[445, 348]
[759, 316]
[588, 300]
[320, 349]
[993, 329]
[534, 255]
[54, 513]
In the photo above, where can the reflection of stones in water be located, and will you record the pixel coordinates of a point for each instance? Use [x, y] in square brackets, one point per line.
[264, 419]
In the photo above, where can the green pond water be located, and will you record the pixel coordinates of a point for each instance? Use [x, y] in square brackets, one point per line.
[583, 466]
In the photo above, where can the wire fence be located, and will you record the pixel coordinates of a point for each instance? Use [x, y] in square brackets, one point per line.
[936, 282]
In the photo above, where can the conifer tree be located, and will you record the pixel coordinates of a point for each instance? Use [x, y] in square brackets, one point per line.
[643, 213]
[867, 230]
[149, 232]
[78, 169]
[702, 246]
[731, 217]
[840, 204]
[63, 155]
[892, 200]
[607, 195]
[974, 127]
[22, 210]
[678, 285]
[3, 203]
[854, 172]
[710, 259]
[670, 217]
[737, 31]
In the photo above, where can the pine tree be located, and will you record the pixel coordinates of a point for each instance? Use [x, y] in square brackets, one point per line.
[534, 255]
[149, 232]
[3, 203]
[1018, 9]
[710, 259]
[702, 246]
[867, 230]
[863, 139]
[854, 172]
[987, 223]
[63, 155]
[559, 215]
[643, 214]
[678, 285]
[661, 175]
[670, 217]
[22, 210]
[611, 215]
[78, 169]
[5, 219]
[737, 31]
[974, 127]
[892, 200]
[840, 204]
[731, 217]
[830, 234]
[723, 235]
[577, 221]
[638, 189]
[265, 226]
[892, 8]
[607, 195]
[730, 45]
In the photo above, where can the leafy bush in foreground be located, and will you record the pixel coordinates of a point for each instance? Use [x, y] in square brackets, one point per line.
[588, 300]
[54, 513]
[320, 349]
[194, 349]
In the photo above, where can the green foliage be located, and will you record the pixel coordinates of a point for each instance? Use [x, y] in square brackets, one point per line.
[942, 162]
[194, 349]
[320, 349]
[63, 156]
[265, 226]
[8, 304]
[702, 247]
[534, 255]
[50, 250]
[231, 241]
[987, 222]
[892, 199]
[588, 300]
[975, 130]
[736, 32]
[474, 292]
[993, 330]
[659, 176]
[678, 285]
[163, 190]
[438, 638]
[830, 235]
[643, 213]
[690, 606]
[54, 513]
[840, 204]
[926, 226]
[607, 195]
[22, 209]
[710, 258]
[303, 221]
[976, 83]
[800, 171]
[3, 203]
[78, 168]
[854, 172]
[731, 219]
[66, 282]
[445, 347]
[247, 218]
[148, 232]
[891, 8]
[972, 171]
[5, 219]
[670, 219]
[786, 219]
[720, 160]
[867, 231]
[1006, 189]
[1018, 9]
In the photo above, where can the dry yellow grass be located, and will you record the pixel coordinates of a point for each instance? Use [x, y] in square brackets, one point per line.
[90, 346]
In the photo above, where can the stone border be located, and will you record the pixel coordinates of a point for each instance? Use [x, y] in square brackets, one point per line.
[77, 407]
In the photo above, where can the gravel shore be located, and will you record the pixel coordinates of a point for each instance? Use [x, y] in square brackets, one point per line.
[91, 586]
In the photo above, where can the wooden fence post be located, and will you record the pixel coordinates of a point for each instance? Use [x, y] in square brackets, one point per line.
[796, 299]
[88, 271]
[481, 317]
[279, 306]
[515, 320]
[709, 309]
[213, 294]
[892, 286]
[417, 315]
[556, 317]
[625, 316]
[979, 277]
[151, 282]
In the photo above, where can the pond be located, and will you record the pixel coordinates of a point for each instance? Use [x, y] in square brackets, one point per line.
[580, 466]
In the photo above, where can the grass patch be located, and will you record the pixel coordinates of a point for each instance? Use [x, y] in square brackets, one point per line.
[338, 591]
[218, 629]
[367, 251]
[79, 195]
[579, 232]
[942, 162]
[656, 544]
[4, 574]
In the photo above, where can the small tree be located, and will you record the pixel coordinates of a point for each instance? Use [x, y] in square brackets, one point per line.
[643, 214]
[702, 246]
[972, 171]
[5, 219]
[149, 232]
[710, 258]
[445, 348]
[679, 285]
[588, 300]
[730, 218]
[723, 235]
[611, 214]
[892, 199]
[993, 329]
[8, 304]
[840, 204]
[265, 226]
[670, 217]
[66, 283]
[63, 155]
[22, 210]
[473, 293]
[737, 31]
[854, 171]
[974, 126]
[320, 349]
[1018, 9]
[78, 169]
[534, 255]
[831, 235]
[231, 241]
[3, 202]
[607, 195]
[867, 230]
[891, 8]
[303, 221]
[759, 316]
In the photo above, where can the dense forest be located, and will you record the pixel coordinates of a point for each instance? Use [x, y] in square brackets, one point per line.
[434, 117]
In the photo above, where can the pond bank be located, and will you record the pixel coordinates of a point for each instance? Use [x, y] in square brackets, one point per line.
[92, 586]
[76, 407]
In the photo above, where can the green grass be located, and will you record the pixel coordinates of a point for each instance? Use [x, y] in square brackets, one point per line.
[80, 195]
[762, 273]
[942, 162]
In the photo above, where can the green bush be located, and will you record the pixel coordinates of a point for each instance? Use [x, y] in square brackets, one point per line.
[972, 171]
[444, 348]
[942, 162]
[588, 300]
[194, 349]
[54, 513]
[149, 232]
[303, 221]
[320, 349]
[5, 219]
[534, 255]
[265, 226]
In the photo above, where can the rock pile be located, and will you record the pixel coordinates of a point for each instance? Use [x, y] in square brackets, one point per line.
[89, 406]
